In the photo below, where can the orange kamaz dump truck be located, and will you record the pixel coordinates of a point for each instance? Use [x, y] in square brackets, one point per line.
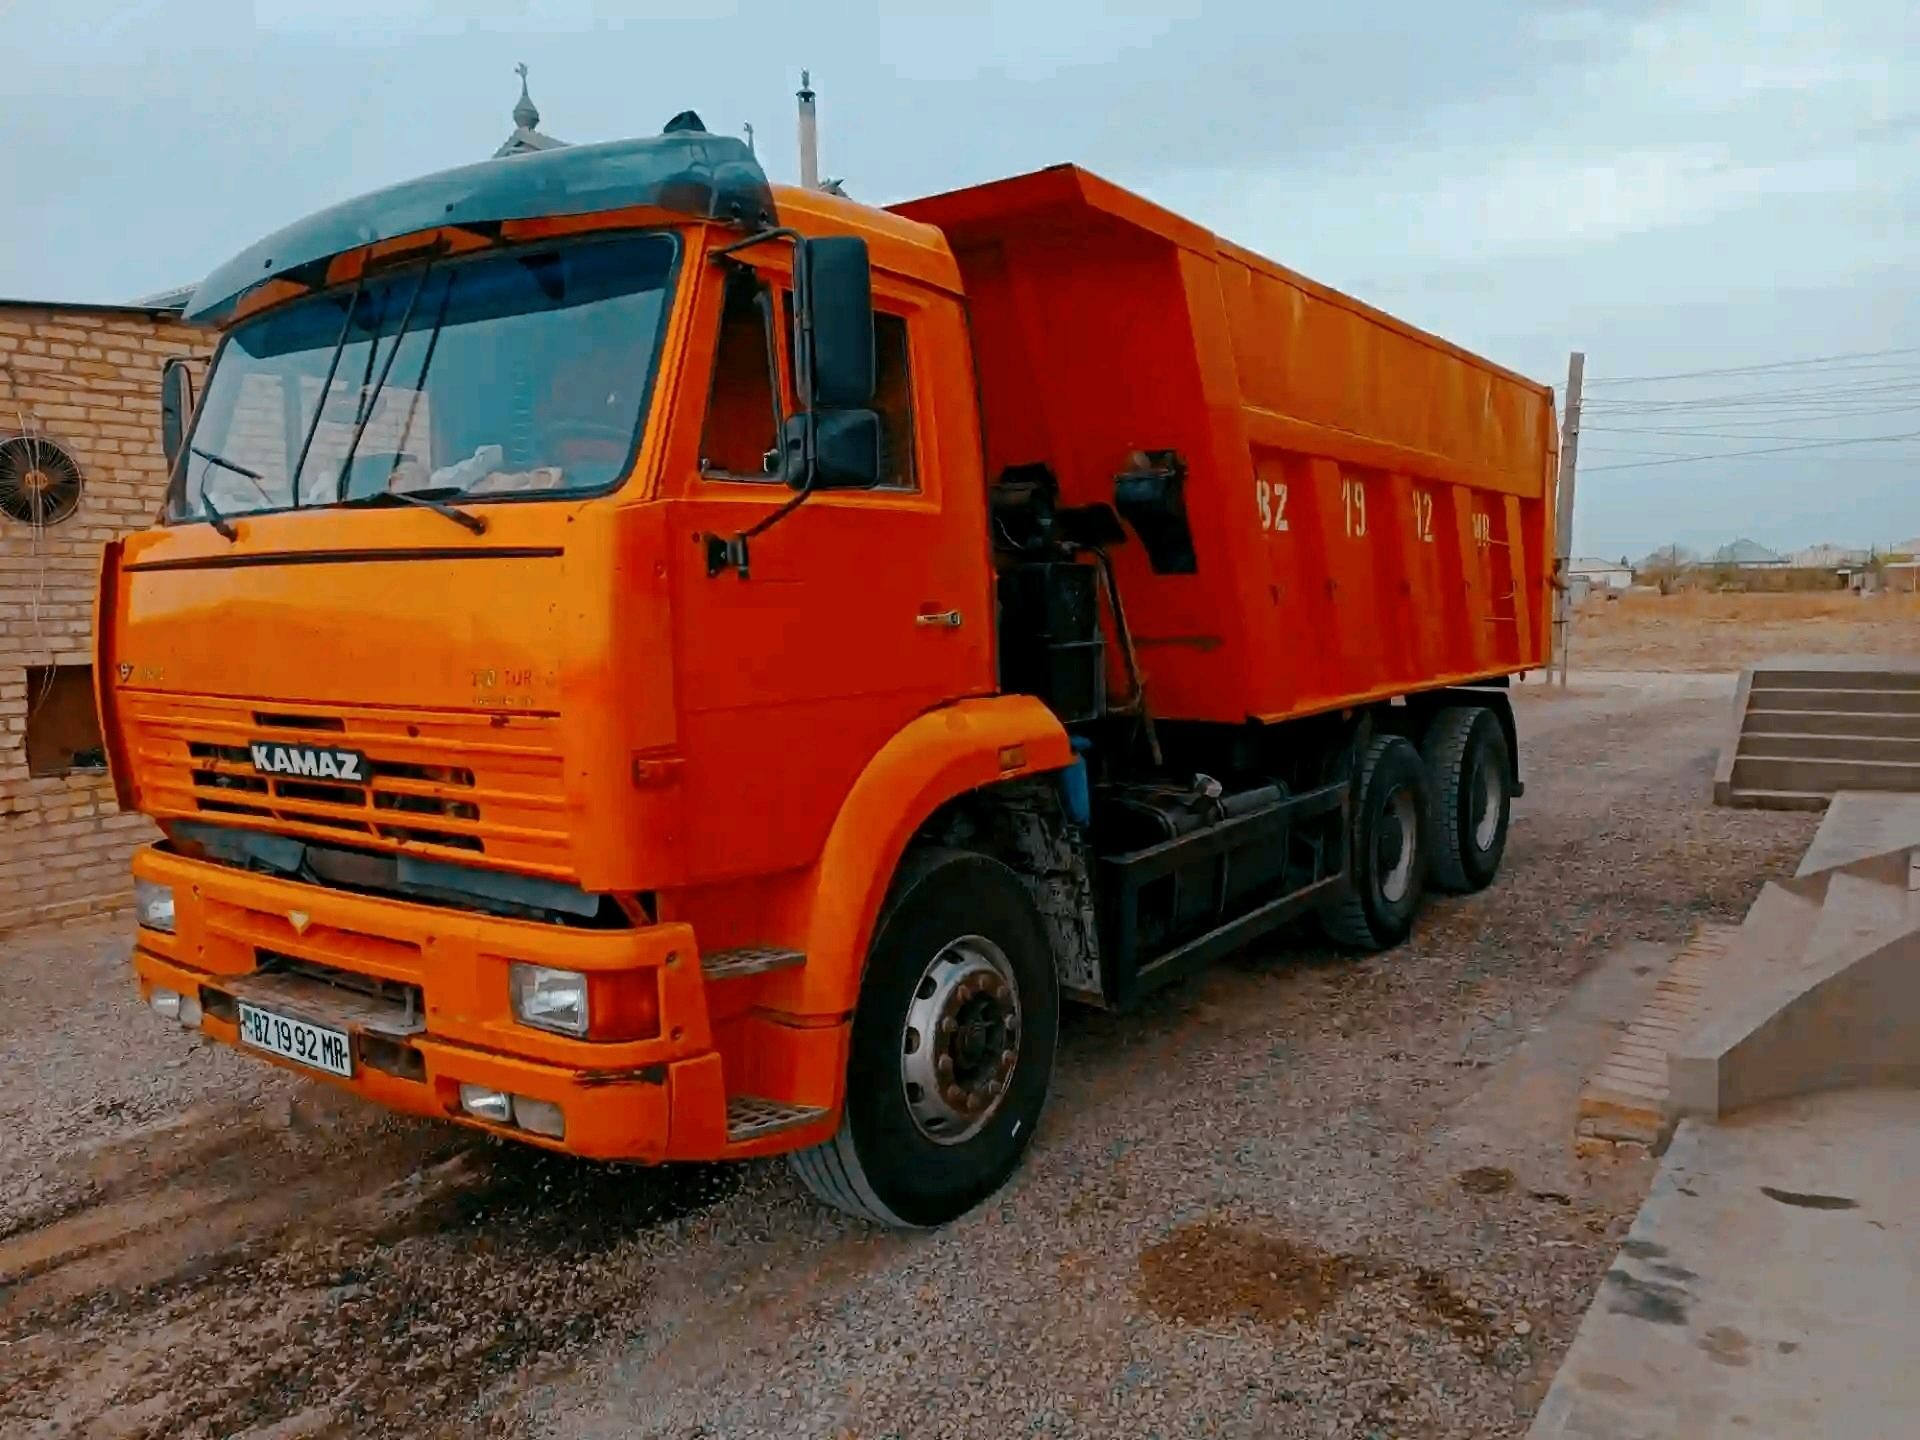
[663, 666]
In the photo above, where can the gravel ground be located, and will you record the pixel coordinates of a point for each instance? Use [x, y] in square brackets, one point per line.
[1300, 1195]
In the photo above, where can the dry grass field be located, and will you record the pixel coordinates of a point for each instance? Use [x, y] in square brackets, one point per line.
[1697, 630]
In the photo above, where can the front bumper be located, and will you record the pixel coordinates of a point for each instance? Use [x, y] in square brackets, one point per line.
[663, 1098]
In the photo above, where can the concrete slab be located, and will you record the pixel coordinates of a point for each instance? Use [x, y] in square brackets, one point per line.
[1767, 1289]
[1859, 824]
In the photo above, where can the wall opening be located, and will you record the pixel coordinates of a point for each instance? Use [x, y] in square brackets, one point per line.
[63, 728]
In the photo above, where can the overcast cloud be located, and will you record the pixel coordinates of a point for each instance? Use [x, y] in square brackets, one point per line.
[1669, 187]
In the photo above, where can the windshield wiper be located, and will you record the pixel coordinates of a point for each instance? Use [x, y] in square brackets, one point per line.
[434, 500]
[326, 388]
[219, 522]
[222, 526]
[371, 398]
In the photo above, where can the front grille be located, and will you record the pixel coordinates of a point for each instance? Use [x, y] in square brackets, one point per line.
[458, 785]
[229, 770]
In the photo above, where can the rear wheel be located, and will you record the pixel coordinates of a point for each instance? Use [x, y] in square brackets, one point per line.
[1470, 770]
[952, 1051]
[1387, 859]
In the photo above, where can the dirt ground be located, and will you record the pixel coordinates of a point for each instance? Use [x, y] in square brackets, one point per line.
[1299, 1195]
[1699, 631]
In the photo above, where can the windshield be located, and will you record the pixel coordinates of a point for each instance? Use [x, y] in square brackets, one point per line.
[524, 372]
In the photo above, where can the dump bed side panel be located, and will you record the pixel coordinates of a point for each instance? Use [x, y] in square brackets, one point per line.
[1401, 489]
[1370, 507]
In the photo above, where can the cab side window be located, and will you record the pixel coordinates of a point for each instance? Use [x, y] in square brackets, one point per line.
[893, 398]
[741, 433]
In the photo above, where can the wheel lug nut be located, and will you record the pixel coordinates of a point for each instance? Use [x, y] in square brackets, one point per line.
[944, 1067]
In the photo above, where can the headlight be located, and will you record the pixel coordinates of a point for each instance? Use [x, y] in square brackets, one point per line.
[153, 905]
[549, 999]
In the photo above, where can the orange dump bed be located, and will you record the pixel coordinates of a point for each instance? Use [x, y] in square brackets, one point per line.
[1370, 507]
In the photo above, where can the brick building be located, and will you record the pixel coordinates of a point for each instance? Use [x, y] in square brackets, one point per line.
[80, 462]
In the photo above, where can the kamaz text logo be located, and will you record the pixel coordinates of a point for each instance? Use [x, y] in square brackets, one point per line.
[270, 758]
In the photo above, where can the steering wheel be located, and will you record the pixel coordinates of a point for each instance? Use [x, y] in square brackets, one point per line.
[573, 442]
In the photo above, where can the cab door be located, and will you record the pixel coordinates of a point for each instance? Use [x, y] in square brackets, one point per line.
[859, 611]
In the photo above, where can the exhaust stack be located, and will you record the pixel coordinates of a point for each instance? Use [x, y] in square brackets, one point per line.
[809, 135]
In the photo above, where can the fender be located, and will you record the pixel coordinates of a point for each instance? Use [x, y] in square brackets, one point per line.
[934, 758]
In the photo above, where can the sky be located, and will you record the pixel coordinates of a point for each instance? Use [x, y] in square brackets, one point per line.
[1671, 188]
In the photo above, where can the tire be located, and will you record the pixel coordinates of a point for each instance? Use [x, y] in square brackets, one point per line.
[960, 940]
[1387, 857]
[1471, 774]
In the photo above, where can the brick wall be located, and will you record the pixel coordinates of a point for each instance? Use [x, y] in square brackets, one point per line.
[88, 379]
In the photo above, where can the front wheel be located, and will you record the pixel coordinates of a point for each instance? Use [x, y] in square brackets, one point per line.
[952, 1053]
[1387, 855]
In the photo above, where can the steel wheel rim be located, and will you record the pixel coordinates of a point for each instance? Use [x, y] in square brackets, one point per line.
[1487, 792]
[1398, 843]
[960, 1042]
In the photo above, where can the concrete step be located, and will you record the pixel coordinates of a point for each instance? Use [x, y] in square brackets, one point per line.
[1778, 925]
[1835, 697]
[1832, 747]
[1830, 722]
[1770, 799]
[1891, 678]
[1788, 772]
[1845, 1013]
[1859, 913]
[1859, 825]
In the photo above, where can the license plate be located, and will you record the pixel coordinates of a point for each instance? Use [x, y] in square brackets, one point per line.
[312, 1045]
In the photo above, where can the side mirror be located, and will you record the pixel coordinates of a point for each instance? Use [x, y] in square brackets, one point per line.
[835, 298]
[847, 449]
[176, 407]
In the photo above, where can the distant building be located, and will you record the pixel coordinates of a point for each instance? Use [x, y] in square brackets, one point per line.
[1827, 557]
[1600, 574]
[1746, 554]
[1668, 557]
[526, 136]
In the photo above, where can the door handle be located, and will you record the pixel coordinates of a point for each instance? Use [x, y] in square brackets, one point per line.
[947, 619]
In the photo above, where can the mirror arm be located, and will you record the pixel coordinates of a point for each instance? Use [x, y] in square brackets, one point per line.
[759, 237]
[726, 552]
[730, 552]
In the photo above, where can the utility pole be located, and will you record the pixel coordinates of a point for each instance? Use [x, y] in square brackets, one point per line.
[1563, 520]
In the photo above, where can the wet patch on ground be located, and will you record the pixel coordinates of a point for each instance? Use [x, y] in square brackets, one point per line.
[1214, 1272]
[378, 1299]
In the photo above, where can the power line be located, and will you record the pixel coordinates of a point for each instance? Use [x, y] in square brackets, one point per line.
[1878, 390]
[1769, 450]
[1716, 434]
[1756, 369]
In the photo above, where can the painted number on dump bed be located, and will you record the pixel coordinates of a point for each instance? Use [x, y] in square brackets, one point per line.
[1353, 499]
[1423, 516]
[1273, 504]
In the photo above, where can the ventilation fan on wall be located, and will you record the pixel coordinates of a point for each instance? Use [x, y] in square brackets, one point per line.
[39, 481]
